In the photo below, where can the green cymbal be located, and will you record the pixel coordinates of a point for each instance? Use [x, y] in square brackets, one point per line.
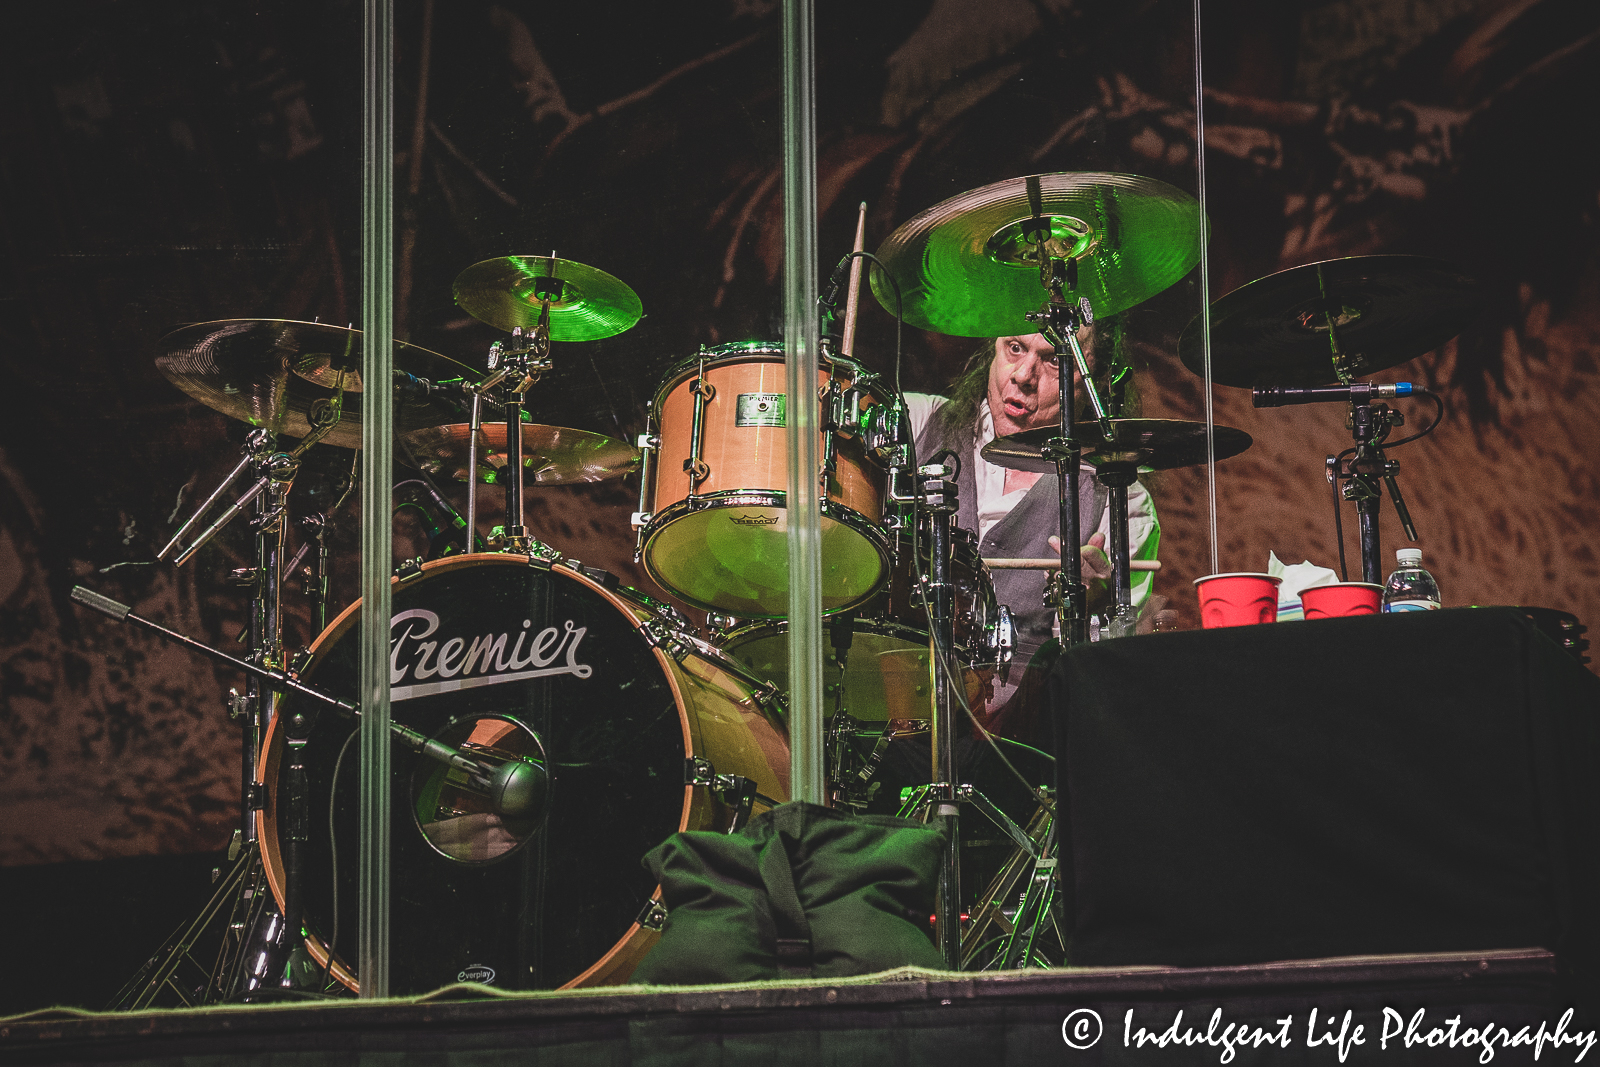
[969, 266]
[509, 292]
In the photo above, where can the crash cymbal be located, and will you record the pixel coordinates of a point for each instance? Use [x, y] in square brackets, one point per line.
[270, 372]
[508, 292]
[1385, 310]
[552, 455]
[967, 267]
[1149, 444]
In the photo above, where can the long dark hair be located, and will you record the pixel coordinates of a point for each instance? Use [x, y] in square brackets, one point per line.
[1114, 377]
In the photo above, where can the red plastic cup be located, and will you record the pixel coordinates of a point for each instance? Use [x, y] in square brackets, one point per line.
[1237, 599]
[1340, 599]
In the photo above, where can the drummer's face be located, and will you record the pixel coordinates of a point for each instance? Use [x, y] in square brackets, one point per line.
[1023, 388]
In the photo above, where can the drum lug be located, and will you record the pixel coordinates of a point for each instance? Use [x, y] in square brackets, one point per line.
[703, 392]
[736, 791]
[409, 569]
[1005, 636]
[653, 916]
[542, 557]
[661, 633]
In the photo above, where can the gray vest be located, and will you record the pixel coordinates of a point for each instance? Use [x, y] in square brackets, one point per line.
[1023, 534]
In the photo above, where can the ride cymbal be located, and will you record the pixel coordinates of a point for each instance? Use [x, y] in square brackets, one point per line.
[272, 372]
[1149, 444]
[1384, 310]
[968, 266]
[509, 292]
[551, 455]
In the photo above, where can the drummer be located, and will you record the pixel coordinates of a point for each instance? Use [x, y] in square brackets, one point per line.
[1009, 386]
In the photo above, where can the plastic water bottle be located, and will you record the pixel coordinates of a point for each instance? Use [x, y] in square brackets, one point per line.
[1410, 588]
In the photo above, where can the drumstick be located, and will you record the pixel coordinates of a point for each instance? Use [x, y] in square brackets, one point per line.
[847, 344]
[1054, 564]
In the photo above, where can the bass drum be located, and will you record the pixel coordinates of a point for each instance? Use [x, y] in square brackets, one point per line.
[510, 662]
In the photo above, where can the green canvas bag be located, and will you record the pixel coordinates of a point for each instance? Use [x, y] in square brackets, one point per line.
[802, 891]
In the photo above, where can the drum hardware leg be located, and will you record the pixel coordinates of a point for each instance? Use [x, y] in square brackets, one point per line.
[990, 906]
[971, 795]
[1018, 946]
[160, 971]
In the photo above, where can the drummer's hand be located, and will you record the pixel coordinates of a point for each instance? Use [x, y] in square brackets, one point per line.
[1095, 562]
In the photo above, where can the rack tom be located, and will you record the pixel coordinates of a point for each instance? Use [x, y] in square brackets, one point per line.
[712, 517]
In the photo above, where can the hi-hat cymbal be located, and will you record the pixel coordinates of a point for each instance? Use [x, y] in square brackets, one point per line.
[551, 455]
[509, 292]
[270, 373]
[1385, 310]
[967, 266]
[1148, 444]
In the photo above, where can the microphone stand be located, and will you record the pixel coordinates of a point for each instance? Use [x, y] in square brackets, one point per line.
[516, 788]
[1369, 424]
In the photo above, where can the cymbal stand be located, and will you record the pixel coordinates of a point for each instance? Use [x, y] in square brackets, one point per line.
[525, 360]
[1059, 321]
[938, 492]
[278, 939]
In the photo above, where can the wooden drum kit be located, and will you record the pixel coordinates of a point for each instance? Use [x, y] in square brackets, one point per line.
[564, 725]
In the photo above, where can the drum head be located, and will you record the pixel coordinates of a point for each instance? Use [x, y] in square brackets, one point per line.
[733, 556]
[510, 665]
[885, 673]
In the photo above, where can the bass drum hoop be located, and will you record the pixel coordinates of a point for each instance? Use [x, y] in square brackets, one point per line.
[620, 959]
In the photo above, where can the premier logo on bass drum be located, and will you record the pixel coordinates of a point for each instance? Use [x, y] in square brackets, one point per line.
[415, 652]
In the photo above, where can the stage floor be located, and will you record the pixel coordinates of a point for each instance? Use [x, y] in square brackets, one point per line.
[1389, 1009]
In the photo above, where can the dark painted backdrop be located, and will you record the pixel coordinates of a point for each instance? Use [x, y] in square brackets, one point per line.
[189, 160]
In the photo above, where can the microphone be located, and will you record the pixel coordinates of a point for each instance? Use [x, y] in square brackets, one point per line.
[411, 385]
[836, 280]
[514, 788]
[443, 504]
[1278, 396]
